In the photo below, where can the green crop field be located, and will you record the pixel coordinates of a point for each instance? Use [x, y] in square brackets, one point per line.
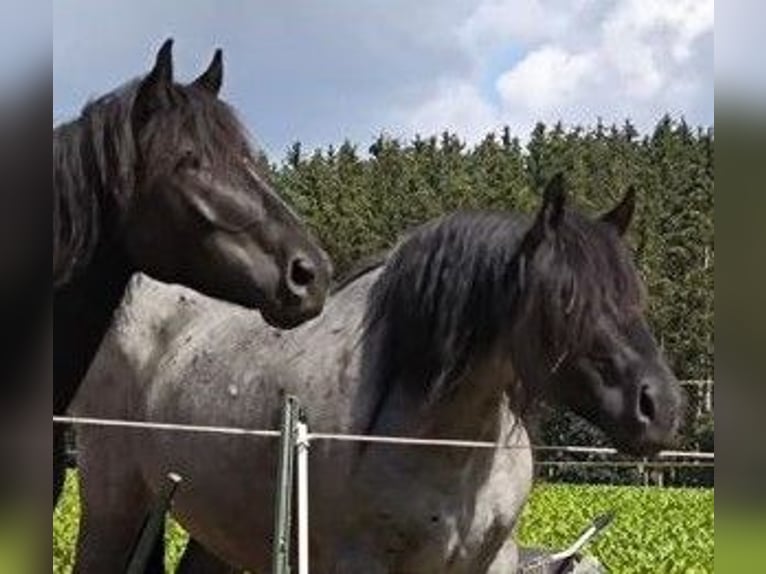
[655, 531]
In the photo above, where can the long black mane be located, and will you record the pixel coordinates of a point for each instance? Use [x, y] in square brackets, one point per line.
[95, 162]
[458, 286]
[93, 165]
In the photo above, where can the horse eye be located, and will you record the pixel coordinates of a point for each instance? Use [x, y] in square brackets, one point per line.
[189, 161]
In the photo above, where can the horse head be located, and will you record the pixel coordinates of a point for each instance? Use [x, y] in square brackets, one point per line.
[200, 212]
[590, 346]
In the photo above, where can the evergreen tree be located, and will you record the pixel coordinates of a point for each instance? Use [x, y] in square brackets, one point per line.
[360, 205]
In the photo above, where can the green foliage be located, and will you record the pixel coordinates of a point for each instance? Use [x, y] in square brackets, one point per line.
[66, 522]
[655, 530]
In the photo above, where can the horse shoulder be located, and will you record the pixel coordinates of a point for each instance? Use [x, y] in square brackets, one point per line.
[142, 331]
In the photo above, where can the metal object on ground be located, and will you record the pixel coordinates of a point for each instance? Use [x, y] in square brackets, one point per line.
[541, 561]
[153, 527]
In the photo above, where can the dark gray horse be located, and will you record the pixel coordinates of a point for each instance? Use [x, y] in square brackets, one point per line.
[471, 319]
[159, 177]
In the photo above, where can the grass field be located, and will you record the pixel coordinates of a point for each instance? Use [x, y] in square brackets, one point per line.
[656, 530]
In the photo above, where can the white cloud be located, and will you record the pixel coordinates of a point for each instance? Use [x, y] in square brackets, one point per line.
[582, 60]
[644, 42]
[458, 107]
[546, 79]
[495, 21]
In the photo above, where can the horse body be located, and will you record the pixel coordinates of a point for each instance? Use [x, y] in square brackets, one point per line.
[166, 333]
[161, 327]
[447, 340]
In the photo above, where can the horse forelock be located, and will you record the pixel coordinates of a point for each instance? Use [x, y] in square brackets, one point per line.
[580, 280]
[220, 137]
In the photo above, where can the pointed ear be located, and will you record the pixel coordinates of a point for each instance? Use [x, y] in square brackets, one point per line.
[212, 78]
[554, 200]
[622, 214]
[551, 212]
[550, 215]
[152, 92]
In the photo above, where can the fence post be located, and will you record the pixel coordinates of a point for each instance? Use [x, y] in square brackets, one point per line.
[284, 487]
[153, 528]
[302, 462]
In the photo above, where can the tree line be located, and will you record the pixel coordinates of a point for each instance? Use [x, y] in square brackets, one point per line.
[360, 202]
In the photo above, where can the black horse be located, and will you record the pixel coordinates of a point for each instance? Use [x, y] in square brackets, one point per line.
[159, 177]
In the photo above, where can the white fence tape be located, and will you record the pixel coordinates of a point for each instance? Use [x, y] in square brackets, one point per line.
[394, 440]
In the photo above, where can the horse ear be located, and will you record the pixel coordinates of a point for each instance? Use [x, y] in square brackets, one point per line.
[622, 214]
[554, 199]
[212, 78]
[550, 214]
[153, 90]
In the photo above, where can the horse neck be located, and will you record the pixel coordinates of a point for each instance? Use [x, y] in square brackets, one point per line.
[478, 405]
[476, 408]
[83, 311]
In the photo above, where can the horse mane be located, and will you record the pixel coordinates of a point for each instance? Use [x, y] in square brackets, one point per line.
[93, 163]
[457, 285]
[95, 159]
[435, 299]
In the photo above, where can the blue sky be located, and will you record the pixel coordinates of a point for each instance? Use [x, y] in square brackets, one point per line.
[324, 71]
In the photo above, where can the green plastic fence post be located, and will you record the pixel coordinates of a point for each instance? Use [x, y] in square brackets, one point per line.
[284, 490]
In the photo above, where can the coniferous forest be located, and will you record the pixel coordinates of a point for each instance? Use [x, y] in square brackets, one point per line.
[360, 200]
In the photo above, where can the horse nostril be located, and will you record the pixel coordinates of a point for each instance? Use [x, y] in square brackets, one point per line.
[302, 272]
[646, 405]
